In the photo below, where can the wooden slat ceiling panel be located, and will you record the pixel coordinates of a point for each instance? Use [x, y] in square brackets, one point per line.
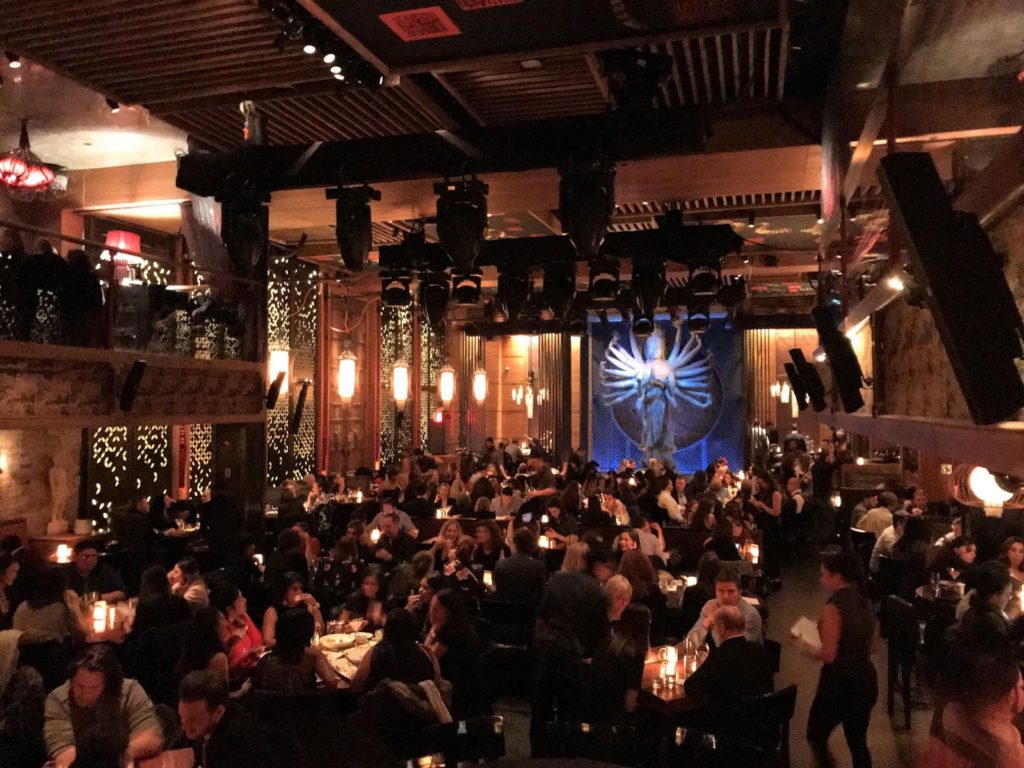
[564, 85]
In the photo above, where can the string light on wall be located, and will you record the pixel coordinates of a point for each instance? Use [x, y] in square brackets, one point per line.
[480, 385]
[400, 383]
[446, 385]
[346, 376]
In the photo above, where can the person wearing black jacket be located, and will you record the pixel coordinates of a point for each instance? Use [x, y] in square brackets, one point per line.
[420, 508]
[222, 735]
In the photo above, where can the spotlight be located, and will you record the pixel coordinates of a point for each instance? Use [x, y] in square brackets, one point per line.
[704, 281]
[513, 293]
[466, 287]
[462, 220]
[353, 223]
[698, 317]
[648, 288]
[604, 279]
[336, 70]
[329, 58]
[434, 297]
[13, 60]
[895, 282]
[309, 48]
[114, 106]
[394, 288]
[559, 287]
[339, 76]
[586, 201]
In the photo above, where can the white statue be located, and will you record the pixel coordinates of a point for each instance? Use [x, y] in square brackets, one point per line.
[59, 495]
[657, 383]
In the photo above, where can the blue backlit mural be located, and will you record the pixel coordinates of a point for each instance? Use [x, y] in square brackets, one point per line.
[684, 402]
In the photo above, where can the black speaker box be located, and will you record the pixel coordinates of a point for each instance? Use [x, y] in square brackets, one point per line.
[846, 372]
[274, 390]
[131, 385]
[812, 381]
[964, 286]
[300, 406]
[796, 383]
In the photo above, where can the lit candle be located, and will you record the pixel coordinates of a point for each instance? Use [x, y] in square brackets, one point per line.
[488, 579]
[544, 519]
[440, 513]
[375, 535]
[542, 542]
[259, 558]
[359, 497]
[99, 616]
[671, 655]
[755, 553]
[63, 553]
[691, 581]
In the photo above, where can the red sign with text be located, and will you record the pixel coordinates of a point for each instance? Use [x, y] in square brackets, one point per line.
[420, 23]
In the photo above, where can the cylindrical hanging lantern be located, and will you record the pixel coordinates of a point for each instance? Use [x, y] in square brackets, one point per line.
[446, 385]
[480, 385]
[400, 383]
[346, 376]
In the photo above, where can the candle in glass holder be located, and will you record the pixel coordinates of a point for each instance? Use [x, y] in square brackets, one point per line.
[488, 579]
[542, 542]
[359, 497]
[99, 616]
[755, 553]
[440, 513]
[63, 553]
[544, 519]
[375, 535]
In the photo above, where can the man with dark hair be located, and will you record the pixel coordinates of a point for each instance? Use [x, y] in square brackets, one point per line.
[388, 507]
[222, 735]
[727, 592]
[88, 574]
[520, 578]
[421, 506]
[289, 556]
[395, 545]
[222, 518]
[97, 694]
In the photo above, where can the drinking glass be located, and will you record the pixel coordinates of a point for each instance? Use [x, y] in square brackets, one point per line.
[702, 653]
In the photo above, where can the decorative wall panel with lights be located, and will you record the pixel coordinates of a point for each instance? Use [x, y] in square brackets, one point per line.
[396, 341]
[125, 462]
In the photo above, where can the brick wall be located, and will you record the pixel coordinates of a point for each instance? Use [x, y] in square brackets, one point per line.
[26, 457]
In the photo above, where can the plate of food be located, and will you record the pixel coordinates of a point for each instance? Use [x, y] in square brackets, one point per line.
[338, 642]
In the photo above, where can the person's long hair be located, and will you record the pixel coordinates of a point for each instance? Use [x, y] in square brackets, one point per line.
[722, 531]
[294, 633]
[398, 650]
[278, 594]
[497, 540]
[154, 584]
[637, 568]
[203, 641]
[101, 659]
[571, 497]
[22, 703]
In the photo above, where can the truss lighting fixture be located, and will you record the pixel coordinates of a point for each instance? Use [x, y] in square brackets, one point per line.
[586, 202]
[559, 287]
[13, 60]
[513, 293]
[698, 317]
[648, 288]
[434, 297]
[394, 288]
[353, 223]
[704, 281]
[466, 288]
[113, 105]
[604, 279]
[462, 219]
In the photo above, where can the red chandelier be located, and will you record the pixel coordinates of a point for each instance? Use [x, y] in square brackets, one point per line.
[20, 169]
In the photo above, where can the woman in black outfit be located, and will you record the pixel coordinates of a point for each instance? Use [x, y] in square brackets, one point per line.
[490, 546]
[767, 503]
[721, 541]
[454, 643]
[848, 686]
[398, 657]
[158, 606]
[984, 627]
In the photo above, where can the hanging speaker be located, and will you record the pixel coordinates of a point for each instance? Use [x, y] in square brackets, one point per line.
[796, 383]
[274, 391]
[846, 372]
[131, 385]
[812, 381]
[300, 406]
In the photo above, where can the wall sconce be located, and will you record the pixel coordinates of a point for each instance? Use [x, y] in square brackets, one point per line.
[446, 385]
[3, 462]
[346, 376]
[785, 392]
[280, 362]
[400, 383]
[776, 389]
[480, 385]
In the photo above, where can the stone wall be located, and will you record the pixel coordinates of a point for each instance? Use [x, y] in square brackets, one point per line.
[26, 457]
[918, 378]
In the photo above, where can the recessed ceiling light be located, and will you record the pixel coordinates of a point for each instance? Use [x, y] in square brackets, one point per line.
[14, 60]
[329, 58]
[309, 48]
[531, 64]
[335, 70]
[339, 76]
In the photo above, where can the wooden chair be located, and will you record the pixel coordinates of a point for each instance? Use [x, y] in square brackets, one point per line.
[904, 641]
[769, 715]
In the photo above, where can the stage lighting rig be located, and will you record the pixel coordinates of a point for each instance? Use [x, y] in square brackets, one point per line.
[434, 297]
[353, 223]
[603, 285]
[586, 202]
[513, 292]
[698, 317]
[647, 289]
[466, 287]
[559, 287]
[462, 220]
[635, 77]
[394, 287]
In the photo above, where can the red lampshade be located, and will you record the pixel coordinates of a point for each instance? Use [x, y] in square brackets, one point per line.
[12, 168]
[21, 169]
[119, 240]
[36, 177]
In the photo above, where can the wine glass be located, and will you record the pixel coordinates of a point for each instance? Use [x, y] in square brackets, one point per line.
[702, 653]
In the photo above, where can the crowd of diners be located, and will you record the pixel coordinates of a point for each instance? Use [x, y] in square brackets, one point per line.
[206, 641]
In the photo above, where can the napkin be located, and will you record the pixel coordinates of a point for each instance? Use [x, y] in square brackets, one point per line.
[806, 630]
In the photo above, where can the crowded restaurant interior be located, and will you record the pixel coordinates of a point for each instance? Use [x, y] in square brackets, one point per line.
[511, 382]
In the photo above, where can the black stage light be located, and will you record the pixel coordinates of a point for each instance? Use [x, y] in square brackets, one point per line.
[462, 220]
[434, 297]
[586, 202]
[300, 406]
[394, 288]
[698, 317]
[604, 279]
[648, 289]
[513, 293]
[466, 287]
[559, 287]
[704, 281]
[353, 223]
[130, 387]
[577, 323]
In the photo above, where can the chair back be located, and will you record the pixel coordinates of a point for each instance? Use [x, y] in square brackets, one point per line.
[904, 630]
[604, 742]
[50, 659]
[774, 650]
[890, 575]
[692, 748]
[863, 544]
[474, 739]
[769, 715]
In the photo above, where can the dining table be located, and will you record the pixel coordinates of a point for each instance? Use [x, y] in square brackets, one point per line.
[345, 650]
[667, 698]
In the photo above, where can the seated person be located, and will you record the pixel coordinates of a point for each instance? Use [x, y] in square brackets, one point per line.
[222, 734]
[561, 524]
[294, 666]
[443, 546]
[887, 539]
[186, 581]
[289, 557]
[879, 518]
[52, 612]
[98, 692]
[158, 606]
[398, 657]
[420, 507]
[651, 539]
[736, 668]
[21, 719]
[954, 559]
[454, 643]
[355, 546]
[612, 682]
[985, 627]
[407, 577]
[727, 592]
[721, 541]
[592, 515]
[643, 579]
[87, 574]
[205, 645]
[521, 577]
[614, 507]
[287, 597]
[245, 640]
[395, 546]
[956, 530]
[507, 502]
[387, 507]
[364, 608]
[490, 546]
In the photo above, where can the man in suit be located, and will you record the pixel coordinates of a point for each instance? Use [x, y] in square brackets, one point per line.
[222, 734]
[420, 508]
[520, 578]
[735, 669]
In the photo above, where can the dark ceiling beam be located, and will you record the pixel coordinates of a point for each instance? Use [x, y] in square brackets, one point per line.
[999, 187]
[463, 102]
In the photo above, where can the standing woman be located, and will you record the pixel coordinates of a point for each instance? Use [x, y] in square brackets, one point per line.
[1012, 554]
[767, 503]
[848, 686]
